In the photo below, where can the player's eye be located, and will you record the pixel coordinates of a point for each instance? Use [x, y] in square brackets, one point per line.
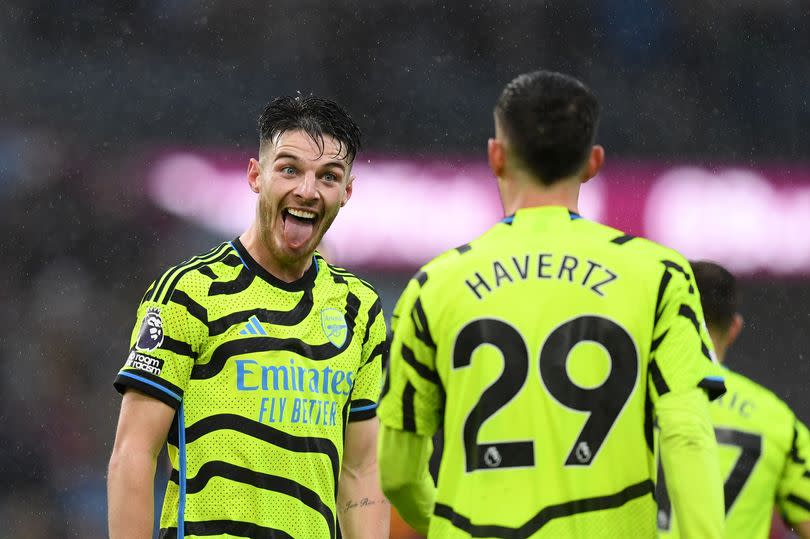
[288, 170]
[330, 177]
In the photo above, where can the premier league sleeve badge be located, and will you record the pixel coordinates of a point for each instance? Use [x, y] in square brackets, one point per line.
[150, 335]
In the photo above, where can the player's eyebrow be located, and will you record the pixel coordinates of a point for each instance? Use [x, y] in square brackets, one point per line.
[285, 155]
[333, 164]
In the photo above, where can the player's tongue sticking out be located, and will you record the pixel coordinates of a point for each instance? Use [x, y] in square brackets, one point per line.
[298, 227]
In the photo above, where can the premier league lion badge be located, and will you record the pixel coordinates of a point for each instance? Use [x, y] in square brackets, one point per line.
[150, 335]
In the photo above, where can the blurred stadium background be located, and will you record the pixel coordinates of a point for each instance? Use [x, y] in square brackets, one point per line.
[126, 127]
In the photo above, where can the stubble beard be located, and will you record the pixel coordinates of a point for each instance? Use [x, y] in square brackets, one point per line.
[274, 241]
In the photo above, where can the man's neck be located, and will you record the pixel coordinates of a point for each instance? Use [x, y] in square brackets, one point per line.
[517, 193]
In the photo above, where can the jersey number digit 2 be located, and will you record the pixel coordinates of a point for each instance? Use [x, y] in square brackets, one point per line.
[604, 402]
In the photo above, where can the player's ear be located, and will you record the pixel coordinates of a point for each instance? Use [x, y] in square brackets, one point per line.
[254, 171]
[735, 328]
[595, 162]
[496, 155]
[347, 194]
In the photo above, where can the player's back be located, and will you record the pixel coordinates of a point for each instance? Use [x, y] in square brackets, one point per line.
[546, 330]
[759, 443]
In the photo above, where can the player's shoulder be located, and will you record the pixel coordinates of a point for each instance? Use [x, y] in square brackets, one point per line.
[646, 257]
[193, 273]
[447, 263]
[637, 247]
[764, 396]
[364, 290]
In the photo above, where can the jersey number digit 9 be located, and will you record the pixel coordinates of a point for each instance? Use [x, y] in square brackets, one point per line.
[604, 402]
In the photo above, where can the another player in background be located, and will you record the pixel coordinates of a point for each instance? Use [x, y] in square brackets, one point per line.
[545, 347]
[763, 446]
[260, 363]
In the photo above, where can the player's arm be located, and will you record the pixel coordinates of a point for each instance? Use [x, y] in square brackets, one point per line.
[143, 425]
[363, 511]
[410, 411]
[362, 508]
[689, 458]
[794, 486]
[153, 381]
[407, 482]
[684, 375]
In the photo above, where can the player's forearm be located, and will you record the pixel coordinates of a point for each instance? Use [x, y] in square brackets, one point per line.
[130, 495]
[363, 511]
[689, 458]
[405, 478]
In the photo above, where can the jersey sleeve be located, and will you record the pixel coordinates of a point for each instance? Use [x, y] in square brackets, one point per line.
[163, 348]
[682, 356]
[366, 390]
[794, 486]
[413, 397]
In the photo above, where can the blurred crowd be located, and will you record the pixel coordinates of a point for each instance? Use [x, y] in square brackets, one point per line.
[78, 244]
[89, 86]
[687, 78]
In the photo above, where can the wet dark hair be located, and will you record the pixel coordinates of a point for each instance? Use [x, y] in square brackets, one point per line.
[550, 120]
[718, 293]
[315, 116]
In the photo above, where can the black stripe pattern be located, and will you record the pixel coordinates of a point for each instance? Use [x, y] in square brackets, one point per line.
[660, 384]
[240, 283]
[420, 323]
[208, 272]
[230, 527]
[421, 369]
[547, 514]
[160, 284]
[687, 312]
[801, 502]
[649, 423]
[275, 483]
[794, 448]
[194, 309]
[669, 267]
[164, 291]
[657, 341]
[335, 270]
[408, 413]
[319, 352]
[180, 348]
[713, 387]
[277, 318]
[373, 312]
[265, 433]
[621, 240]
[232, 260]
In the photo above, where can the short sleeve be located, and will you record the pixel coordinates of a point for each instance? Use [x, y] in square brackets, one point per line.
[682, 356]
[794, 487]
[413, 397]
[366, 389]
[164, 345]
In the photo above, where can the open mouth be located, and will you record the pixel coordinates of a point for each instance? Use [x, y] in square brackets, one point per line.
[306, 217]
[299, 226]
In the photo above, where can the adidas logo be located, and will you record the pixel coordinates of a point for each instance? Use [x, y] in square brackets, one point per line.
[253, 327]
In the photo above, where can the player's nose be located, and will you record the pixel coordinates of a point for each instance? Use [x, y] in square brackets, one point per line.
[307, 187]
